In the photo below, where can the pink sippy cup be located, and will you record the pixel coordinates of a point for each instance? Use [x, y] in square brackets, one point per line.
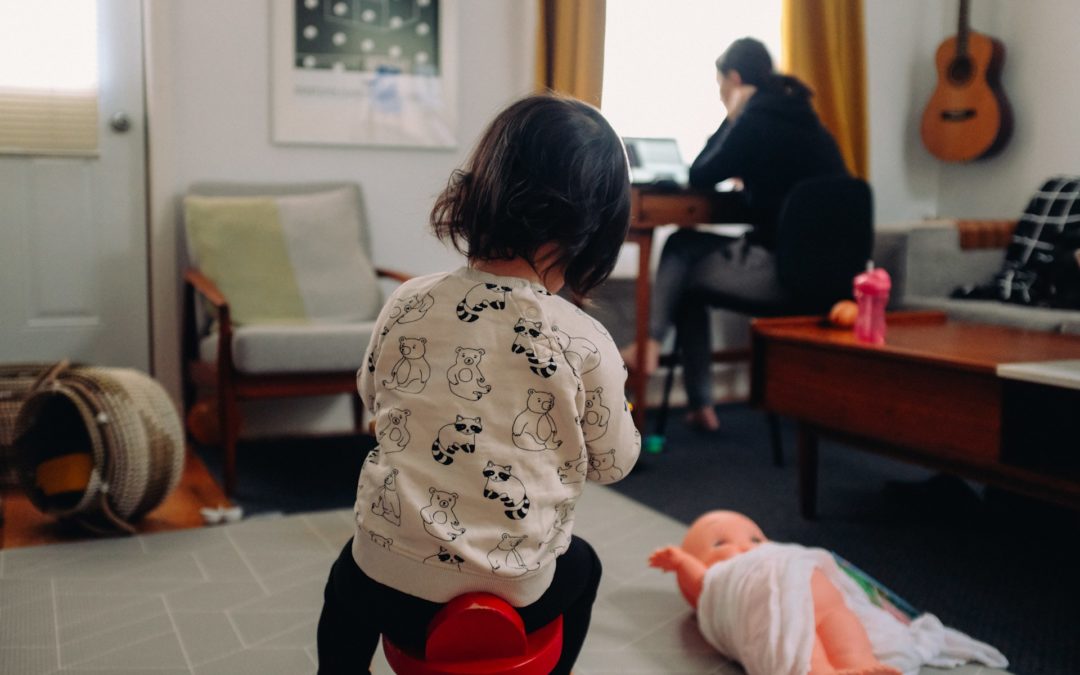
[871, 294]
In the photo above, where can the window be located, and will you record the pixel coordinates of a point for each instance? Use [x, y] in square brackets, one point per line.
[659, 63]
[48, 77]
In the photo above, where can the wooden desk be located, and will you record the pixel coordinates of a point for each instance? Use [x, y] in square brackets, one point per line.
[650, 209]
[930, 395]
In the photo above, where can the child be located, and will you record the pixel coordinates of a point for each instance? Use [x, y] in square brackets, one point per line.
[494, 399]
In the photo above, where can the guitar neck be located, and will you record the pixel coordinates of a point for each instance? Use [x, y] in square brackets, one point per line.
[962, 30]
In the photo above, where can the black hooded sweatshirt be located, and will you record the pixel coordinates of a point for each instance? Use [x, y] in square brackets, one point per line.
[776, 142]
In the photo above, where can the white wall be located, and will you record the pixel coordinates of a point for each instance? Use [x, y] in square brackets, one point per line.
[900, 41]
[1041, 44]
[209, 107]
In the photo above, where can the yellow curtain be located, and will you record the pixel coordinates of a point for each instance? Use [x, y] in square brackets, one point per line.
[823, 45]
[570, 48]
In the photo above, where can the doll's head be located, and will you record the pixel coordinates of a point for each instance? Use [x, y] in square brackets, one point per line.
[721, 535]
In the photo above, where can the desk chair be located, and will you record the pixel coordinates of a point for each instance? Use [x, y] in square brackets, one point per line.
[289, 298]
[824, 237]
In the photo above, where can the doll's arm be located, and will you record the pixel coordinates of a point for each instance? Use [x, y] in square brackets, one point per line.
[689, 571]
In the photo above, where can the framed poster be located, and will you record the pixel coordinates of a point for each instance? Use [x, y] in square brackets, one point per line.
[364, 72]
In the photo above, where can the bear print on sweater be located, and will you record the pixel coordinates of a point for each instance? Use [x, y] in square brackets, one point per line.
[395, 430]
[439, 518]
[558, 540]
[465, 377]
[505, 560]
[410, 374]
[534, 428]
[602, 467]
[595, 421]
[582, 355]
[408, 309]
[573, 471]
[385, 542]
[387, 502]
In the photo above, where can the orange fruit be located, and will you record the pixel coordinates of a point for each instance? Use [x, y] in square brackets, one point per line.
[843, 313]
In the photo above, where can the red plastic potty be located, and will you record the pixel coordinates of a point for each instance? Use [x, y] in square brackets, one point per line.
[480, 634]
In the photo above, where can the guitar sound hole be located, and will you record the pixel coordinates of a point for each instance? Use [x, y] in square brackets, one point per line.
[960, 70]
[957, 115]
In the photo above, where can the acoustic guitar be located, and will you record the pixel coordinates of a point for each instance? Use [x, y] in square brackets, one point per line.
[968, 116]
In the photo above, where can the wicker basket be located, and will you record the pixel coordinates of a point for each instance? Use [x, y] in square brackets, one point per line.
[16, 382]
[102, 446]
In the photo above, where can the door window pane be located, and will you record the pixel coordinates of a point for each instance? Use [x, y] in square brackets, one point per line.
[48, 77]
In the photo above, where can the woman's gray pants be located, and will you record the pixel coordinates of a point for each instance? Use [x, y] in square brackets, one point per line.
[698, 270]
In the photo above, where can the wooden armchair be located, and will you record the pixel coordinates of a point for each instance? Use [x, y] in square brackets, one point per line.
[256, 346]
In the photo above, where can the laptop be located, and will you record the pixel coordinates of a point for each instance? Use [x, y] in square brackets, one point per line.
[656, 161]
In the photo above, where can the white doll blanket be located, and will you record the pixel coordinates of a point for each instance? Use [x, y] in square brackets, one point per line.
[757, 609]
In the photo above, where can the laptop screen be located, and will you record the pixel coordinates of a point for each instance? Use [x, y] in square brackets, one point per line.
[655, 159]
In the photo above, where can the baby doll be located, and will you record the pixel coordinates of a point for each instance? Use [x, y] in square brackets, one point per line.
[840, 643]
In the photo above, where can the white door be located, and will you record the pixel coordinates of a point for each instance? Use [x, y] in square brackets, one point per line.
[73, 251]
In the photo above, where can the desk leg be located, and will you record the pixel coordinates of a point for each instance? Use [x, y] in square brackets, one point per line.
[808, 470]
[643, 291]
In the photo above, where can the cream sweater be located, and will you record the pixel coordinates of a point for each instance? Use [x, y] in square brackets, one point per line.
[494, 401]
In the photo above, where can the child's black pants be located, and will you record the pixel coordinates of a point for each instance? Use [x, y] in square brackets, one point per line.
[357, 610]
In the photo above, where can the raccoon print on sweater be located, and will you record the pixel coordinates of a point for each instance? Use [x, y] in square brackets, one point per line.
[444, 557]
[507, 488]
[529, 341]
[479, 298]
[458, 435]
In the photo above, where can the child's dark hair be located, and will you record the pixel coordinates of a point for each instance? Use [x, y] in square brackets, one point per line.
[548, 168]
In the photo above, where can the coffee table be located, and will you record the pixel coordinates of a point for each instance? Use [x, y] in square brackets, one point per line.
[930, 395]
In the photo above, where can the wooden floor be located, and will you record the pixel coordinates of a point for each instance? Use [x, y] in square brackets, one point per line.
[24, 525]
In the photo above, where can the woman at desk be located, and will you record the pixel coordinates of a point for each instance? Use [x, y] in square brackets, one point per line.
[770, 140]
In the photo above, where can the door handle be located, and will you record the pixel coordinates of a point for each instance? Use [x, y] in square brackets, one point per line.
[120, 122]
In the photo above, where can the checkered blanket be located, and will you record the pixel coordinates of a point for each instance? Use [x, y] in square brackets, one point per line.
[1042, 262]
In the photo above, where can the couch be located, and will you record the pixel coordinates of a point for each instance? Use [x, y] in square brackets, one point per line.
[928, 260]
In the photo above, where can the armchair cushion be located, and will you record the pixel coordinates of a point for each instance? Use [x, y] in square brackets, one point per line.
[291, 258]
[309, 348]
